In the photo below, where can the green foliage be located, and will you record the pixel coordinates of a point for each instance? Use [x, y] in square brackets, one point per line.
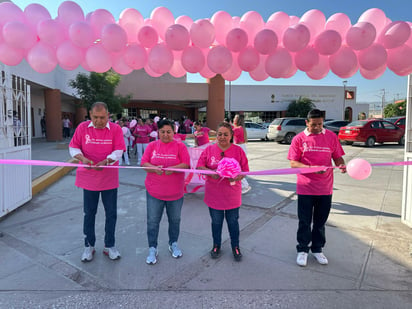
[392, 110]
[300, 107]
[99, 87]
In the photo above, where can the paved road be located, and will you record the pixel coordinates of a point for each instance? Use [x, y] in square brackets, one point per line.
[369, 249]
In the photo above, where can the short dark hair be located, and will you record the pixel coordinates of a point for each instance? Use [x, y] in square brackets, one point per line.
[315, 113]
[98, 106]
[165, 122]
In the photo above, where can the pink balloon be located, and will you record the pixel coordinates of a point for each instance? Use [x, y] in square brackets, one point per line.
[372, 74]
[69, 56]
[42, 58]
[69, 12]
[236, 40]
[279, 63]
[100, 18]
[222, 21]
[18, 35]
[135, 56]
[292, 71]
[328, 42]
[185, 21]
[293, 20]
[162, 18]
[148, 36]
[252, 23]
[278, 22]
[131, 21]
[374, 16]
[373, 57]
[409, 41]
[395, 34]
[400, 60]
[339, 22]
[315, 21]
[296, 37]
[81, 34]
[235, 22]
[9, 55]
[259, 74]
[320, 70]
[306, 59]
[219, 59]
[114, 38]
[160, 59]
[359, 169]
[177, 70]
[10, 12]
[234, 71]
[150, 72]
[266, 41]
[193, 59]
[98, 58]
[361, 35]
[344, 63]
[202, 33]
[36, 13]
[119, 65]
[50, 32]
[248, 59]
[177, 37]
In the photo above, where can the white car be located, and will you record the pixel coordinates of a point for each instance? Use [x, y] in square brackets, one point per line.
[255, 131]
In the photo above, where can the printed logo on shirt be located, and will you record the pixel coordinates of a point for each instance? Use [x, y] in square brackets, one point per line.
[314, 148]
[97, 141]
[214, 161]
[163, 156]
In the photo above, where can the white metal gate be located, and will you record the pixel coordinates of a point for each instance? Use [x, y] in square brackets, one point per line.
[407, 175]
[15, 141]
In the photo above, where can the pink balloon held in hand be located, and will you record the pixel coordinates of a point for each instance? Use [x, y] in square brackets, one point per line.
[359, 169]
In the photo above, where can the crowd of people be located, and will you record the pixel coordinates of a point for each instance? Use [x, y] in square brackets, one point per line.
[159, 148]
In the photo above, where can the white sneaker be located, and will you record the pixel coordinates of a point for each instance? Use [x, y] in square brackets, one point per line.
[246, 190]
[112, 253]
[151, 258]
[302, 259]
[175, 250]
[88, 253]
[321, 258]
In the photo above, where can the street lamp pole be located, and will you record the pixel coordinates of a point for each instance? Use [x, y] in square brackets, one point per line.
[344, 98]
[230, 99]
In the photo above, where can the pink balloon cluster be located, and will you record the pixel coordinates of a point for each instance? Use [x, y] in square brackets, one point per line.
[228, 168]
[223, 44]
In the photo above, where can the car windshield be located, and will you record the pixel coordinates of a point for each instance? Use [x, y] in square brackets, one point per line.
[357, 123]
[277, 121]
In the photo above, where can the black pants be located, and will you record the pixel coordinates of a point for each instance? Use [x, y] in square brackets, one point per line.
[316, 207]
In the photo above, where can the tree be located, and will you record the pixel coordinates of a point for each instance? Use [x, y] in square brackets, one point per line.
[395, 109]
[300, 107]
[99, 87]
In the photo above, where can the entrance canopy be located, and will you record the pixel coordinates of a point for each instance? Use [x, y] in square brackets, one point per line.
[223, 44]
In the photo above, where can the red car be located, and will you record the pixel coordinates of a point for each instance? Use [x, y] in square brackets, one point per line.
[399, 121]
[371, 131]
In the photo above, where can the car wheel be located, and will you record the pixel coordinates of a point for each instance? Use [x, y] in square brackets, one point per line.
[348, 143]
[289, 137]
[370, 142]
[402, 141]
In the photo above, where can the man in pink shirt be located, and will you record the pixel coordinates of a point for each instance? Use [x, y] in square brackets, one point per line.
[315, 146]
[98, 143]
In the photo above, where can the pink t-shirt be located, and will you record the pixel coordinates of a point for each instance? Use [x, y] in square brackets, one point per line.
[238, 135]
[315, 149]
[202, 137]
[143, 132]
[219, 193]
[96, 145]
[166, 187]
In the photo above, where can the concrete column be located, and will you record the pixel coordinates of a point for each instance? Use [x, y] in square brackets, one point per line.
[53, 107]
[215, 110]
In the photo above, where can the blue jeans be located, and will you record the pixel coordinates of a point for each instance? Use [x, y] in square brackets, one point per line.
[154, 216]
[232, 220]
[90, 202]
[316, 208]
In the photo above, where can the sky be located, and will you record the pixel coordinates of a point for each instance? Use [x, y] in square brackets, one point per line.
[394, 87]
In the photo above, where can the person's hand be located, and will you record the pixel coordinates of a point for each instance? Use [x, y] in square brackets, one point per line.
[158, 170]
[214, 176]
[98, 167]
[342, 168]
[237, 178]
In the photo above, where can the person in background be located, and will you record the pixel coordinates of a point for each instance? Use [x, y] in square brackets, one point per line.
[95, 144]
[223, 196]
[141, 133]
[201, 134]
[164, 189]
[188, 124]
[240, 139]
[43, 125]
[126, 136]
[315, 146]
[66, 126]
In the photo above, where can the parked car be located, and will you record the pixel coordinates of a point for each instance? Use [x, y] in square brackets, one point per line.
[399, 121]
[255, 131]
[335, 125]
[285, 129]
[371, 131]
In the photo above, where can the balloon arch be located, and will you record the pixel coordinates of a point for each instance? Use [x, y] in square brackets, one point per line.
[223, 44]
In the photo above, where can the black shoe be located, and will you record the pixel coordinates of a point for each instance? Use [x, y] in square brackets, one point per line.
[237, 254]
[215, 253]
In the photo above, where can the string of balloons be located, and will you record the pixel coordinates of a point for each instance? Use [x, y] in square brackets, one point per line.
[223, 44]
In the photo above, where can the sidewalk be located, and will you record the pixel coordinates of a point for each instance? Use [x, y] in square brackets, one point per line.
[369, 249]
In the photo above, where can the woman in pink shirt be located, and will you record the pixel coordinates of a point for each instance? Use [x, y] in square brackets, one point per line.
[164, 188]
[240, 138]
[201, 134]
[223, 196]
[141, 134]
